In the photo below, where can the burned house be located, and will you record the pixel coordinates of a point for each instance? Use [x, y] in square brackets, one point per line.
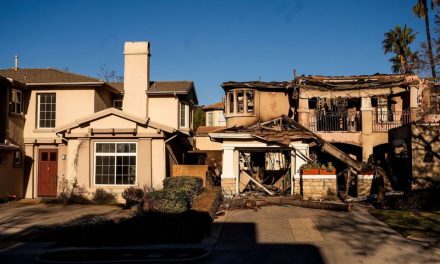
[273, 128]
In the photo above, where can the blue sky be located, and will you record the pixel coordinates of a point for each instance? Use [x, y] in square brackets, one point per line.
[208, 42]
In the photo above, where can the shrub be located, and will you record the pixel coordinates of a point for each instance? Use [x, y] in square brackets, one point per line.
[132, 196]
[192, 184]
[71, 193]
[102, 196]
[168, 201]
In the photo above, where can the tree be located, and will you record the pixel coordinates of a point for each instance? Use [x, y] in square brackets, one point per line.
[199, 117]
[109, 75]
[420, 9]
[397, 41]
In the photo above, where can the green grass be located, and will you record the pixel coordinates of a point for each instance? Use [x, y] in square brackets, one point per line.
[408, 223]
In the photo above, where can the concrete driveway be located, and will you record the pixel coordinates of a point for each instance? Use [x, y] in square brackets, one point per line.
[298, 235]
[272, 234]
[20, 219]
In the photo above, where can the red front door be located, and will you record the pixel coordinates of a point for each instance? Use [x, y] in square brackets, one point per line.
[47, 172]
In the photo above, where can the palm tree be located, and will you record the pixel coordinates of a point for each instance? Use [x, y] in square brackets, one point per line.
[420, 9]
[397, 41]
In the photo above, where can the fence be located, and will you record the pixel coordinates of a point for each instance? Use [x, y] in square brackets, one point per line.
[386, 120]
[335, 122]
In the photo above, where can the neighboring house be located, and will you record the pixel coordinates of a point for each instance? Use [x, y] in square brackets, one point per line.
[215, 120]
[12, 94]
[75, 128]
[348, 117]
[214, 115]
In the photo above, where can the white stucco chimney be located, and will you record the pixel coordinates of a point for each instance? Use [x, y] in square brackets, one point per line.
[136, 77]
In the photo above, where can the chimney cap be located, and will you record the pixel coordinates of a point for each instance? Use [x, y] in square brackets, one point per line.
[136, 47]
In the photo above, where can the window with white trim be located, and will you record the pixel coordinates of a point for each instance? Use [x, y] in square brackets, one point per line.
[182, 115]
[46, 110]
[115, 163]
[16, 101]
[209, 119]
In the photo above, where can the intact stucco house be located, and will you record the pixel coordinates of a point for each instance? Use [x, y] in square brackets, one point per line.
[77, 127]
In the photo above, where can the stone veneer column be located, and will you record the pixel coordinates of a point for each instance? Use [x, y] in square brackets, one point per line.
[228, 177]
[413, 105]
[367, 128]
[364, 185]
[303, 112]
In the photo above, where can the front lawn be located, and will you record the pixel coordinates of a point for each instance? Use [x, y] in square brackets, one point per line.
[411, 224]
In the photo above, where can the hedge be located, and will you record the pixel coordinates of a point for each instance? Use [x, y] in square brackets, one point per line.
[173, 201]
[192, 184]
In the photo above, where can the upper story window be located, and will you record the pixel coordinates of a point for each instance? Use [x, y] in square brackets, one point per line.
[117, 104]
[182, 112]
[250, 101]
[231, 101]
[46, 110]
[209, 119]
[16, 101]
[241, 101]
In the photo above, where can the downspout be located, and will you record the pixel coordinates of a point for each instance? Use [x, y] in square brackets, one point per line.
[165, 153]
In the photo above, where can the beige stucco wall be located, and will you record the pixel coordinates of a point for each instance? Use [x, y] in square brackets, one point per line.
[15, 129]
[353, 138]
[11, 177]
[205, 143]
[71, 104]
[164, 110]
[150, 165]
[268, 105]
[81, 164]
[158, 163]
[103, 99]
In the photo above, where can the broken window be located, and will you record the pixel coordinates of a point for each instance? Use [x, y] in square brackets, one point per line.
[250, 101]
[240, 101]
[231, 102]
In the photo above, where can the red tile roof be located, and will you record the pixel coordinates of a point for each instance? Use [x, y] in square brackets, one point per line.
[215, 106]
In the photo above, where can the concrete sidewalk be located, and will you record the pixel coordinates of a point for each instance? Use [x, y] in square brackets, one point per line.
[19, 219]
[298, 235]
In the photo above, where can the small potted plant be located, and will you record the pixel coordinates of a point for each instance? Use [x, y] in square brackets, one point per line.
[323, 170]
[331, 170]
[310, 168]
